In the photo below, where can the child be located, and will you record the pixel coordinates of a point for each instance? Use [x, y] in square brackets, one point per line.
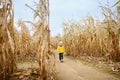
[60, 50]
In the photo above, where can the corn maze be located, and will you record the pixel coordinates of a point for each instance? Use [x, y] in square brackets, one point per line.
[87, 37]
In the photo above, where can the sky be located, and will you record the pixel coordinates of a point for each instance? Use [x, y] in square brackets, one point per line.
[60, 11]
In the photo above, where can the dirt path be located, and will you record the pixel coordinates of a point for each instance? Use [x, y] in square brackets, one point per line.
[74, 70]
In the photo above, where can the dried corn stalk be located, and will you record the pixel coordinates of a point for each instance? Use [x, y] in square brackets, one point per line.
[25, 40]
[7, 39]
[93, 38]
[46, 61]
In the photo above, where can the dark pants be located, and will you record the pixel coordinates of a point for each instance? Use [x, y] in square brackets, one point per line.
[60, 56]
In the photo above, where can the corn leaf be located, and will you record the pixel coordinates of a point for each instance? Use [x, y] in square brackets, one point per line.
[117, 3]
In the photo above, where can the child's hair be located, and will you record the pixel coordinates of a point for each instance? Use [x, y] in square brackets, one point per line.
[60, 43]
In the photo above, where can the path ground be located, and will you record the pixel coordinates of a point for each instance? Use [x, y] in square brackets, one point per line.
[75, 70]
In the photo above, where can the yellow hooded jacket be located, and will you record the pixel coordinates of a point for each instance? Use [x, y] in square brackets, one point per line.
[60, 49]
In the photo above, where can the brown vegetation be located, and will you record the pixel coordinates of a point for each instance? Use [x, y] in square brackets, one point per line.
[18, 46]
[7, 40]
[93, 38]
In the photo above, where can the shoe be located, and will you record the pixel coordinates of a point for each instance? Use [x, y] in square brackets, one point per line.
[62, 61]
